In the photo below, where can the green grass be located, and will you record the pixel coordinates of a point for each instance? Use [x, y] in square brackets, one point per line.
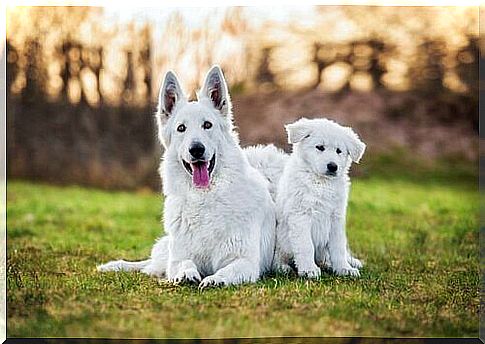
[417, 236]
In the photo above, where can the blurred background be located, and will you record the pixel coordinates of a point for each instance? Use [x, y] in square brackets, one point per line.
[82, 82]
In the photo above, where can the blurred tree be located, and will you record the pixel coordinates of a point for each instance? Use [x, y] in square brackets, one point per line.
[12, 65]
[321, 60]
[428, 70]
[11, 75]
[376, 68]
[467, 65]
[145, 60]
[63, 52]
[68, 71]
[35, 72]
[129, 82]
[265, 78]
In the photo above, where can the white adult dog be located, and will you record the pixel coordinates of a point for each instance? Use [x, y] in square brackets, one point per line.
[219, 216]
[312, 196]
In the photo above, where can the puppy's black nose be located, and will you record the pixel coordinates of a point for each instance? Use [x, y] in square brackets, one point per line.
[197, 150]
[332, 167]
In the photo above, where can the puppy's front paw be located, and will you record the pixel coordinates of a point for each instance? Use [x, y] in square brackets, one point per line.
[310, 272]
[211, 281]
[284, 269]
[347, 271]
[186, 276]
[355, 263]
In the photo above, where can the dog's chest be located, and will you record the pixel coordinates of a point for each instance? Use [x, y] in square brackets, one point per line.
[206, 228]
[324, 198]
[216, 210]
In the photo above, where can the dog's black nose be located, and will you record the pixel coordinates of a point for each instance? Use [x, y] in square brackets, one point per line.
[197, 150]
[332, 167]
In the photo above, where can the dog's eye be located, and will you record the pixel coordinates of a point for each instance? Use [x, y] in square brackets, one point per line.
[181, 128]
[338, 151]
[207, 125]
[320, 148]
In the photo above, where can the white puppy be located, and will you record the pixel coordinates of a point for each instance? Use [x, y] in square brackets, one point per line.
[219, 216]
[312, 196]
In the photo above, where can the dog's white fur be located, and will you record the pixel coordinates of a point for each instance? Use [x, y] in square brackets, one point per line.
[311, 204]
[270, 161]
[221, 234]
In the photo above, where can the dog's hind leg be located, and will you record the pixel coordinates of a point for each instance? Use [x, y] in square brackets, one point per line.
[240, 270]
[123, 265]
[159, 259]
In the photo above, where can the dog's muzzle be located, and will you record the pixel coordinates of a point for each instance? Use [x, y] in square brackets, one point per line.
[200, 170]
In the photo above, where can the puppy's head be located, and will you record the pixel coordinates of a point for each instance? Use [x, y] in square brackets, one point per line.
[325, 146]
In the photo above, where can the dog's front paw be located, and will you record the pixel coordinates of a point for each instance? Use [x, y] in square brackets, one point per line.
[347, 271]
[186, 276]
[310, 272]
[355, 263]
[211, 281]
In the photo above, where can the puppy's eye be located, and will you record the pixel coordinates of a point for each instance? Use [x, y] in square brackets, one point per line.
[338, 151]
[320, 148]
[181, 128]
[207, 125]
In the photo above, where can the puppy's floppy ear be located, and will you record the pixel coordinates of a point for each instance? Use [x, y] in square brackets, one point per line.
[355, 146]
[216, 90]
[170, 95]
[298, 130]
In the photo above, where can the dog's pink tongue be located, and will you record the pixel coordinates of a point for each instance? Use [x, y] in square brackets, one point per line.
[200, 175]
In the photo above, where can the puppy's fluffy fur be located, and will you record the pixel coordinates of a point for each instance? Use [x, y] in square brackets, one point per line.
[311, 198]
[219, 216]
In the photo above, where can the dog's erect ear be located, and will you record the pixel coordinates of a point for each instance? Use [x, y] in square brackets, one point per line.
[215, 89]
[355, 146]
[170, 94]
[298, 130]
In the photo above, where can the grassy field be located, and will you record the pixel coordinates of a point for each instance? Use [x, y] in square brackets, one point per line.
[417, 235]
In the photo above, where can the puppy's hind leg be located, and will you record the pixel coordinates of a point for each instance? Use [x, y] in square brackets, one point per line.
[280, 263]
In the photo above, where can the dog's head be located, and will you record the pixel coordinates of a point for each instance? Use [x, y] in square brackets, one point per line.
[192, 131]
[327, 147]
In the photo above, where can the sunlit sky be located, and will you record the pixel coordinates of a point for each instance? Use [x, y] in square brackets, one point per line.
[277, 10]
[267, 3]
[218, 35]
[196, 15]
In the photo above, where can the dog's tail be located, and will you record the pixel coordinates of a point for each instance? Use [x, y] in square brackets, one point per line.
[154, 266]
[123, 265]
[269, 161]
